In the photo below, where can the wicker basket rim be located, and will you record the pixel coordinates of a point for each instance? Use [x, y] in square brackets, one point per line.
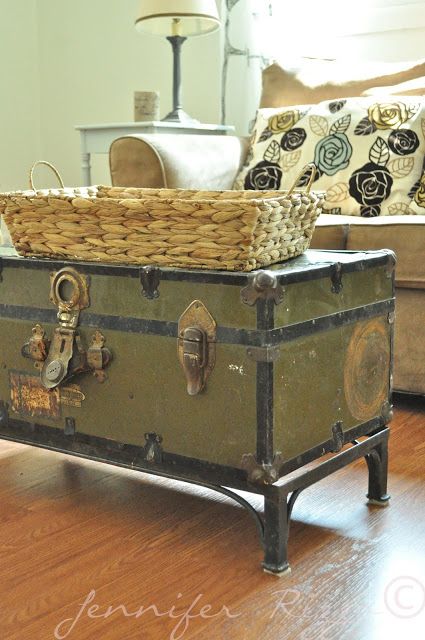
[72, 193]
[267, 194]
[180, 190]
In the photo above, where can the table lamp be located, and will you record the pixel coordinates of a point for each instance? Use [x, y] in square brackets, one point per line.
[177, 20]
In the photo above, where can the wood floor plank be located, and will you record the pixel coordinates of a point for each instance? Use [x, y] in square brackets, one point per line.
[70, 526]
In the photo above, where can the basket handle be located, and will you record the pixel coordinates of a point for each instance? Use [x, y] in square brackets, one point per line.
[48, 164]
[300, 175]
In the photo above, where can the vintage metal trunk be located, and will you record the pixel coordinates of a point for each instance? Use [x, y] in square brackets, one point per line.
[220, 378]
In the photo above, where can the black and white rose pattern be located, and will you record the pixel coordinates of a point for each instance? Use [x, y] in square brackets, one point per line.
[403, 142]
[420, 193]
[293, 139]
[371, 211]
[370, 185]
[368, 154]
[336, 105]
[264, 176]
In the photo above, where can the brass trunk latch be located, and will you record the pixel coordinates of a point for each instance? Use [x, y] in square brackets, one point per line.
[98, 357]
[64, 356]
[196, 345]
[38, 345]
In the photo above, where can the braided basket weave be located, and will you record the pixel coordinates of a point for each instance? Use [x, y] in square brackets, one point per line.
[232, 230]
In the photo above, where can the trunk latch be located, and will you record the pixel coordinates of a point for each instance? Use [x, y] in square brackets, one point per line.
[64, 355]
[196, 346]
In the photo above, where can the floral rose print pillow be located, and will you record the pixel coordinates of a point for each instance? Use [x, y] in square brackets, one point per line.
[369, 155]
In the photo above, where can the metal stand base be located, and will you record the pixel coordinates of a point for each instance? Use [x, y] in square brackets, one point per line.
[279, 498]
[178, 115]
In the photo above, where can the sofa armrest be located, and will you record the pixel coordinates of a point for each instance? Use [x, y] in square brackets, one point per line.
[177, 161]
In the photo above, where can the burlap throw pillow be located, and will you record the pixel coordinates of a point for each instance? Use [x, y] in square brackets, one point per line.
[369, 155]
[310, 81]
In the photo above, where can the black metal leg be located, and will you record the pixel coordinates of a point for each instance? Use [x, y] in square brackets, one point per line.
[276, 527]
[377, 462]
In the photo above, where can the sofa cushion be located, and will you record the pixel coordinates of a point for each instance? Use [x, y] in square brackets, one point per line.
[369, 153]
[405, 235]
[331, 232]
[409, 345]
[311, 81]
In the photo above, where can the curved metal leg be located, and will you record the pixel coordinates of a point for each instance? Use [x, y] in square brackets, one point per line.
[291, 502]
[377, 463]
[226, 492]
[244, 503]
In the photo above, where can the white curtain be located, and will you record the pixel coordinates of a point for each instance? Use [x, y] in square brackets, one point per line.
[245, 55]
[384, 30]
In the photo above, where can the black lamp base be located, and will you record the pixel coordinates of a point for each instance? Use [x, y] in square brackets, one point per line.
[180, 116]
[177, 114]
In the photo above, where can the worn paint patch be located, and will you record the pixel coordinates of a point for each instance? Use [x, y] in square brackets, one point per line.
[30, 398]
[71, 395]
[238, 368]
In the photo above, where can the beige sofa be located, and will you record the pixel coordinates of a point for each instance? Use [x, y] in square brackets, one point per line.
[212, 162]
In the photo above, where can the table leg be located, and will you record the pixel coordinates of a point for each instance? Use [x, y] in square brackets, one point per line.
[86, 169]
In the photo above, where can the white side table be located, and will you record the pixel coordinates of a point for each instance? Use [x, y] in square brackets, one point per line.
[97, 138]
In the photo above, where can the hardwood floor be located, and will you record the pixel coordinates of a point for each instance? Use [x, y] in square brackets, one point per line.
[69, 528]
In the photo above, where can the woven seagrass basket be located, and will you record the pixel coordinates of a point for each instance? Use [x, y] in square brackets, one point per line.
[232, 230]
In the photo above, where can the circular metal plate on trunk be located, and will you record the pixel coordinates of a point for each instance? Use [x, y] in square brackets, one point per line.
[366, 369]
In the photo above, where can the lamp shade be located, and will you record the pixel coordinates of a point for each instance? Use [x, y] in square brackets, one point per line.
[177, 17]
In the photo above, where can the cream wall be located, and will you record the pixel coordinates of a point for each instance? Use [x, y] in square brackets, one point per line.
[79, 62]
[20, 93]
